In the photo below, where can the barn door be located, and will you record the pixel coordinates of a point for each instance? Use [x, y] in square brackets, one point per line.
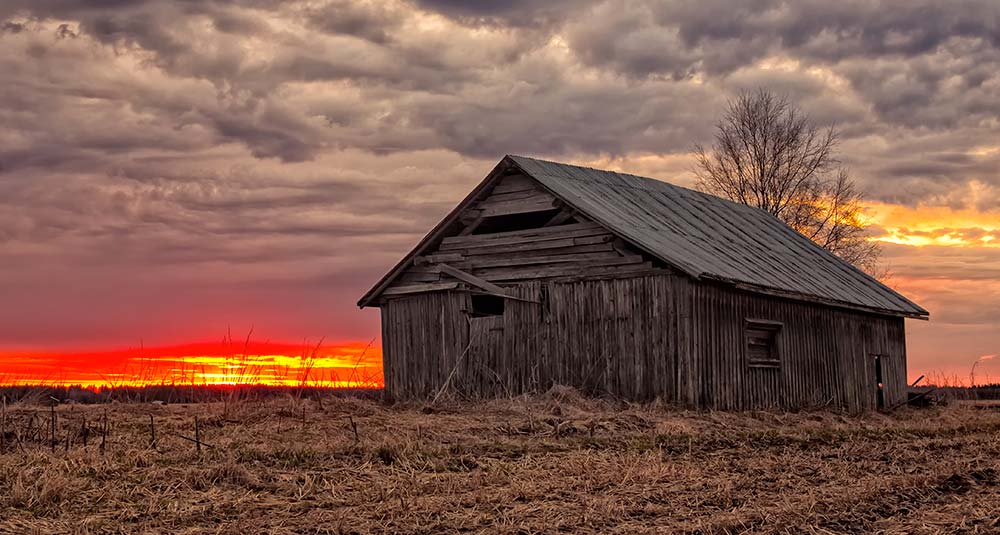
[486, 332]
[879, 383]
[763, 358]
[485, 351]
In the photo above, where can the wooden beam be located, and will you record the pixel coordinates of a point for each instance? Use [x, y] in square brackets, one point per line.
[512, 196]
[471, 279]
[560, 218]
[567, 270]
[585, 229]
[620, 246]
[408, 277]
[534, 246]
[438, 257]
[508, 260]
[564, 254]
[471, 225]
[418, 288]
[474, 241]
[512, 183]
[518, 207]
[469, 263]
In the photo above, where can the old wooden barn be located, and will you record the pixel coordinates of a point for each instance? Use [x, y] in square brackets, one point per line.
[631, 287]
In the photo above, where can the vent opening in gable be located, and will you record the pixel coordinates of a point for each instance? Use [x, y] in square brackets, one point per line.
[507, 223]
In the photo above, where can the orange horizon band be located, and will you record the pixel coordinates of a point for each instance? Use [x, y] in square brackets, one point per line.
[205, 363]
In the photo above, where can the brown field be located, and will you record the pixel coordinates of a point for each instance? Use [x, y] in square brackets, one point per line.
[553, 463]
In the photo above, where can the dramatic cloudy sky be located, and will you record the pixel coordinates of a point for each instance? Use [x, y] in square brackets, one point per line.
[169, 170]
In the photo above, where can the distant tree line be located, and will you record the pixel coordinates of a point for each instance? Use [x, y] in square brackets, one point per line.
[167, 393]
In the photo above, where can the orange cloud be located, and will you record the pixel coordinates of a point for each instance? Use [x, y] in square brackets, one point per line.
[934, 225]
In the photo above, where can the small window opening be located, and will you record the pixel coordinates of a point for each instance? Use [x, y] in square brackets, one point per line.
[486, 305]
[762, 344]
[507, 223]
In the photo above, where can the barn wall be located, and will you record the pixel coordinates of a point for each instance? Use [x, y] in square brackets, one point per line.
[616, 336]
[826, 354]
[607, 336]
[422, 338]
[641, 337]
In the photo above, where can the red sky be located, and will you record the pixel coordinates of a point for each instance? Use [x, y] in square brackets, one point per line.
[172, 172]
[233, 362]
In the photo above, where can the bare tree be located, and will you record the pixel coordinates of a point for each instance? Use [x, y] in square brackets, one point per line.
[767, 154]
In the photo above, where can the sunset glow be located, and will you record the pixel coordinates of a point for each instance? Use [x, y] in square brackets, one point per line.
[935, 225]
[347, 365]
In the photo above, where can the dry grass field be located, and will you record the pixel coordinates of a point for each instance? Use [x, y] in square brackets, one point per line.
[553, 463]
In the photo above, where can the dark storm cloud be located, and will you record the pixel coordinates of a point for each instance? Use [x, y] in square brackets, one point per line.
[374, 22]
[513, 13]
[720, 36]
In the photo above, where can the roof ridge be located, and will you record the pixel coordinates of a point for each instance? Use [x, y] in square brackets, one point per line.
[741, 206]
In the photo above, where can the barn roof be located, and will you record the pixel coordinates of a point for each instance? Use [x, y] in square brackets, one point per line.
[702, 235]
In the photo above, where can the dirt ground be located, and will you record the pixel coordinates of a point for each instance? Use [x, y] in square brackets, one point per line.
[550, 464]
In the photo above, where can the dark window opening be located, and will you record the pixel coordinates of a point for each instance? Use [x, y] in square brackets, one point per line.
[507, 223]
[486, 305]
[762, 344]
[879, 385]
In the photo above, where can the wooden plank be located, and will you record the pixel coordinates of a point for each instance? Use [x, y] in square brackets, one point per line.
[409, 276]
[500, 244]
[487, 240]
[418, 288]
[543, 259]
[424, 268]
[468, 215]
[512, 183]
[541, 231]
[472, 225]
[573, 269]
[474, 255]
[513, 196]
[471, 279]
[438, 257]
[538, 245]
[519, 207]
[521, 198]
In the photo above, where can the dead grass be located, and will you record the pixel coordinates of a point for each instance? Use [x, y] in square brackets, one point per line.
[553, 463]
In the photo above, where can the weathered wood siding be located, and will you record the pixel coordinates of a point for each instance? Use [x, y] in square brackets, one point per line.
[422, 337]
[618, 336]
[642, 337]
[609, 336]
[563, 248]
[827, 355]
